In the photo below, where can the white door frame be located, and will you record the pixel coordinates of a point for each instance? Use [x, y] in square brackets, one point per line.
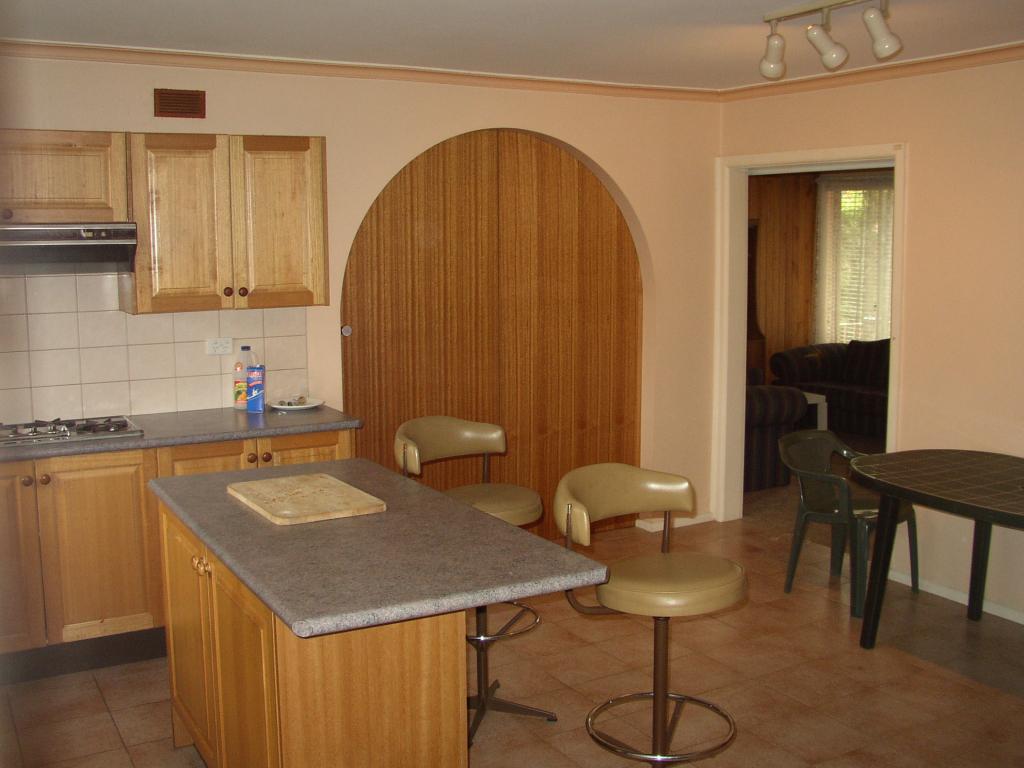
[730, 321]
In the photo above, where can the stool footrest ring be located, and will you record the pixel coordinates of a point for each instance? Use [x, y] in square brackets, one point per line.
[508, 628]
[618, 747]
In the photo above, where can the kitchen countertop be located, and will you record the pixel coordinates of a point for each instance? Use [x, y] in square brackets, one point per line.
[186, 427]
[426, 554]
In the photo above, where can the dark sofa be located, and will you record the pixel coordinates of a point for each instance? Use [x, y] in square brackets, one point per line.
[771, 413]
[853, 377]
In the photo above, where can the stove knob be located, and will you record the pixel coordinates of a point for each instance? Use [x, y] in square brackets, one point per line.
[27, 481]
[44, 480]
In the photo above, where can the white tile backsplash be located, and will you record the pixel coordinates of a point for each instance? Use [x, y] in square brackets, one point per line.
[51, 293]
[13, 333]
[52, 367]
[96, 293]
[104, 364]
[150, 329]
[150, 361]
[15, 405]
[57, 403]
[102, 329]
[196, 326]
[284, 352]
[12, 295]
[107, 399]
[53, 330]
[14, 371]
[67, 351]
[287, 321]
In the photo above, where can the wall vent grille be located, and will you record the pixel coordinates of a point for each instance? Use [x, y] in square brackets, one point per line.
[169, 102]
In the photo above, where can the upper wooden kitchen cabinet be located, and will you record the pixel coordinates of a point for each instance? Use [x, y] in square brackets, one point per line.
[22, 619]
[100, 544]
[62, 176]
[227, 222]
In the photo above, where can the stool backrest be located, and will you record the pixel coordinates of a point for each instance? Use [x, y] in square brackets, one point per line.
[430, 438]
[600, 491]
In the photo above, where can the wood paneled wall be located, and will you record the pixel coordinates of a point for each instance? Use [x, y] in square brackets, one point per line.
[784, 207]
[495, 279]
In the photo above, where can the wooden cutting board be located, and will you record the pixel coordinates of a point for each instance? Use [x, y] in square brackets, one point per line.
[304, 498]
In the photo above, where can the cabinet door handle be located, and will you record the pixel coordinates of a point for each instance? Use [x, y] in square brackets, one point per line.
[251, 458]
[44, 480]
[268, 456]
[204, 567]
[27, 481]
[195, 563]
[229, 291]
[243, 291]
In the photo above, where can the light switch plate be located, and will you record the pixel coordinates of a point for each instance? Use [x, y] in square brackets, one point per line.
[221, 346]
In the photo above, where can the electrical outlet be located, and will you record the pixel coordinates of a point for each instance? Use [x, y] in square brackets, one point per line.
[222, 346]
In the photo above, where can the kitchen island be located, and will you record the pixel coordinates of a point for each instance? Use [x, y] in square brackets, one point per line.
[337, 642]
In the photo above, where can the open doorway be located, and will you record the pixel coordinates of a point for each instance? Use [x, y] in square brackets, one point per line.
[731, 299]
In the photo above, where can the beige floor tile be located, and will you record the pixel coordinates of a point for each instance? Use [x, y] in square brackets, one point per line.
[758, 656]
[751, 751]
[145, 722]
[129, 685]
[579, 663]
[32, 706]
[579, 747]
[117, 758]
[162, 754]
[10, 754]
[51, 742]
[813, 736]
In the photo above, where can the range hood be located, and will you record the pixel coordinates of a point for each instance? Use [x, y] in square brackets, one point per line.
[91, 247]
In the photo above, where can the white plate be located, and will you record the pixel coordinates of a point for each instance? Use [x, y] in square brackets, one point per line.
[305, 407]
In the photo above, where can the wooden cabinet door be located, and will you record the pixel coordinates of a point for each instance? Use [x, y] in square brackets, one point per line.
[181, 201]
[277, 190]
[305, 448]
[243, 629]
[189, 639]
[200, 458]
[62, 176]
[22, 621]
[95, 530]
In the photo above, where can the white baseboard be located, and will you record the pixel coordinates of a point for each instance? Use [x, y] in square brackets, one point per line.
[957, 597]
[655, 524]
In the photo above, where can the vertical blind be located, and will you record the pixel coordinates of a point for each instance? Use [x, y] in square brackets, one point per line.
[853, 258]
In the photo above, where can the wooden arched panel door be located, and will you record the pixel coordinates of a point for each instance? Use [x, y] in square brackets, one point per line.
[495, 279]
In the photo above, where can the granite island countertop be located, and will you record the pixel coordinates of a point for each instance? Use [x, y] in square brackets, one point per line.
[187, 427]
[426, 554]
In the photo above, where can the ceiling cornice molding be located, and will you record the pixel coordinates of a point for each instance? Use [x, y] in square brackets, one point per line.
[146, 57]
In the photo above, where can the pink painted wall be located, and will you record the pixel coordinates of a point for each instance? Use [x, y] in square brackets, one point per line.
[962, 327]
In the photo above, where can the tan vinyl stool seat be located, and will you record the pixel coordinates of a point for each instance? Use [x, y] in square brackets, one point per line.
[512, 503]
[434, 438]
[672, 584]
[659, 585]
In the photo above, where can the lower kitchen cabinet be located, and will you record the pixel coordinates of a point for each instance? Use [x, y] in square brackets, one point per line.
[277, 450]
[22, 619]
[99, 544]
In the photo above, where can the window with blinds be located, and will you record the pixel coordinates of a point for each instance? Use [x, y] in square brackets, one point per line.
[853, 259]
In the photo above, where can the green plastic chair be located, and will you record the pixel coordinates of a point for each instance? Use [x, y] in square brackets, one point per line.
[826, 497]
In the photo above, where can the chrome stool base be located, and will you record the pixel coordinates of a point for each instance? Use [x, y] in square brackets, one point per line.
[620, 748]
[484, 700]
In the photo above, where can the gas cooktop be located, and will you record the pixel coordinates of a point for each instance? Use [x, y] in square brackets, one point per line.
[68, 429]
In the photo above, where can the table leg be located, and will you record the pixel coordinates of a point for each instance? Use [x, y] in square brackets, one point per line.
[885, 535]
[979, 568]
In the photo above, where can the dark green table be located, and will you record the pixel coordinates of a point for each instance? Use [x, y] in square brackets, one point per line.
[985, 487]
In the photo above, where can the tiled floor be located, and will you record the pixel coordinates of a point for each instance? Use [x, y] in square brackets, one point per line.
[936, 691]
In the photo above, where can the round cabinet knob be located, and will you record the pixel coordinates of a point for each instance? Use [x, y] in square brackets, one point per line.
[8, 214]
[251, 458]
[27, 481]
[243, 291]
[268, 456]
[346, 330]
[195, 563]
[44, 480]
[229, 291]
[204, 567]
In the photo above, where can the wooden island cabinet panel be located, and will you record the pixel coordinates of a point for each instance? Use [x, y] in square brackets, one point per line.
[22, 620]
[97, 532]
[62, 176]
[276, 450]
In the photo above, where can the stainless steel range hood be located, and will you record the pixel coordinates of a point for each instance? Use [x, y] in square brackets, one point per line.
[92, 247]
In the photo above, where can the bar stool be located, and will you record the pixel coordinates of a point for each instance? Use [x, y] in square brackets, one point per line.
[660, 585]
[434, 438]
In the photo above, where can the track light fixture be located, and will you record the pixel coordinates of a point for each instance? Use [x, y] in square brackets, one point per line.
[884, 43]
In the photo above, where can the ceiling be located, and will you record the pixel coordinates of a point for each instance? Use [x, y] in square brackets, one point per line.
[705, 44]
